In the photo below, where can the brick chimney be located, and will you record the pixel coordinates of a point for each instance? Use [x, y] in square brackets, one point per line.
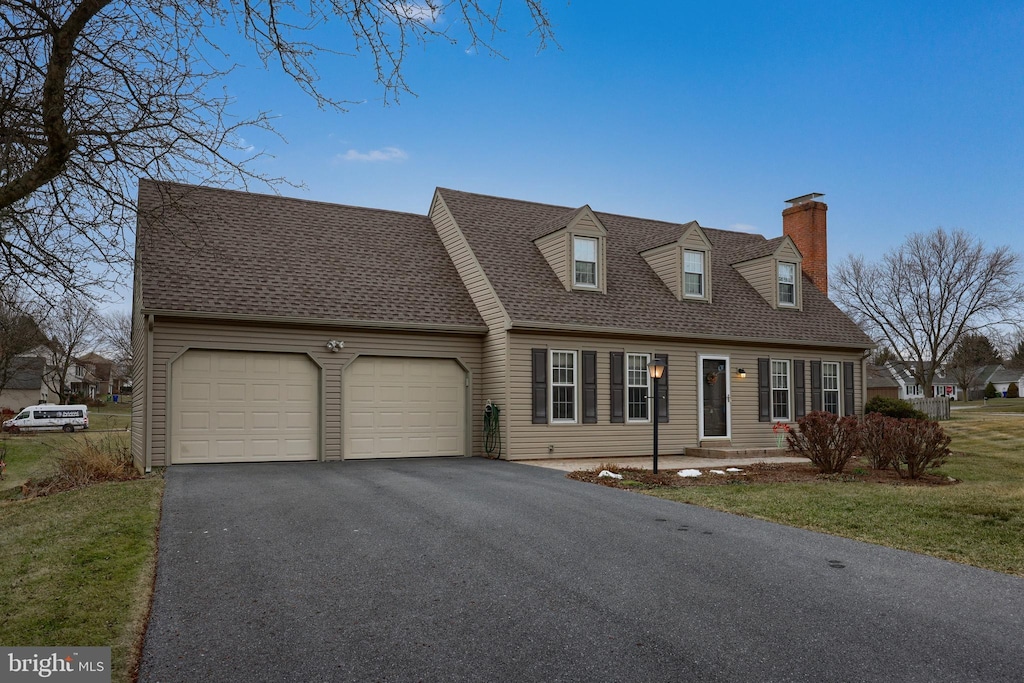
[804, 223]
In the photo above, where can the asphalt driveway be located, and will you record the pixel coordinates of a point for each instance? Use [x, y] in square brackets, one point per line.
[449, 570]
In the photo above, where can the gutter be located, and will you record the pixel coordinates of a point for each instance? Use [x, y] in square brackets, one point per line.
[318, 322]
[621, 331]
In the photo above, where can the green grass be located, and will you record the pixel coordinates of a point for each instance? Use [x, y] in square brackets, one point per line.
[111, 416]
[77, 567]
[995, 405]
[979, 521]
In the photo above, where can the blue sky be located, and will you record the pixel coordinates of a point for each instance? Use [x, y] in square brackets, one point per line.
[908, 116]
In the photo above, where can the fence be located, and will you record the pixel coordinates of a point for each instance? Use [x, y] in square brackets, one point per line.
[935, 408]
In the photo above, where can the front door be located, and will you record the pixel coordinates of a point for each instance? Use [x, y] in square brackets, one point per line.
[714, 397]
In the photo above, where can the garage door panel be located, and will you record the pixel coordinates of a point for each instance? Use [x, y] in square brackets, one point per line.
[403, 407]
[226, 407]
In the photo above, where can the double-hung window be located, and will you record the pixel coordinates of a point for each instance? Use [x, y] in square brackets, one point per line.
[637, 387]
[787, 284]
[693, 273]
[780, 389]
[830, 387]
[563, 386]
[585, 262]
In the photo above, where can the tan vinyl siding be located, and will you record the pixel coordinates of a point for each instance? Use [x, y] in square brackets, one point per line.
[16, 399]
[172, 336]
[695, 239]
[788, 252]
[606, 439]
[472, 275]
[760, 273]
[586, 225]
[664, 261]
[555, 249]
[493, 384]
[139, 388]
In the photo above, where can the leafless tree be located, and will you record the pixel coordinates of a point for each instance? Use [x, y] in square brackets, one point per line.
[95, 94]
[72, 327]
[19, 331]
[117, 338]
[971, 354]
[924, 296]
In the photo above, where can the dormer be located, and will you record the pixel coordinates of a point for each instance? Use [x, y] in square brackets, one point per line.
[774, 270]
[574, 246]
[683, 263]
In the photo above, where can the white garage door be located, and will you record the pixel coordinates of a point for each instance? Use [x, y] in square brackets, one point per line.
[234, 406]
[404, 407]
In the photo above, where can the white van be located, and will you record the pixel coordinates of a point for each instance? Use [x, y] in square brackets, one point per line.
[49, 417]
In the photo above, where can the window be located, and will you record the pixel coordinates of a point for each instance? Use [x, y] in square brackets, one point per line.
[693, 273]
[780, 389]
[563, 386]
[637, 387]
[79, 371]
[585, 258]
[830, 387]
[913, 390]
[787, 284]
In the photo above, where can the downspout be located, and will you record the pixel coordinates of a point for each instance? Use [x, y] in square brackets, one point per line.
[149, 393]
[864, 380]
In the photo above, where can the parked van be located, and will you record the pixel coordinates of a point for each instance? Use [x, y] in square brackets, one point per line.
[49, 417]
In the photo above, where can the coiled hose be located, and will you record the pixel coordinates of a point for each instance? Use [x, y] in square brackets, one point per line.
[492, 430]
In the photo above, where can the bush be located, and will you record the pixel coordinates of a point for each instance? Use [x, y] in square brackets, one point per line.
[918, 445]
[893, 407]
[1013, 391]
[827, 440]
[83, 461]
[95, 403]
[876, 439]
[990, 390]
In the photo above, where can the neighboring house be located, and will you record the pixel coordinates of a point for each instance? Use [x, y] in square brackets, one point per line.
[109, 377]
[881, 383]
[1001, 379]
[270, 328]
[25, 386]
[903, 372]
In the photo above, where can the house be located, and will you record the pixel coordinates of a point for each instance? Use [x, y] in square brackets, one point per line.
[25, 385]
[881, 382]
[109, 377]
[271, 328]
[1002, 377]
[904, 373]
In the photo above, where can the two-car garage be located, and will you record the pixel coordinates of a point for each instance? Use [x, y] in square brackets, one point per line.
[246, 406]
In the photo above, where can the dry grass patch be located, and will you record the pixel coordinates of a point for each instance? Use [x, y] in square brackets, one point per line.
[83, 461]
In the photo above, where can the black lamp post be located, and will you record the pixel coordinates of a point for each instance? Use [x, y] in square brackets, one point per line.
[656, 370]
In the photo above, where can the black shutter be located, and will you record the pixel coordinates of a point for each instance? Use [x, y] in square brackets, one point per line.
[799, 397]
[815, 385]
[848, 388]
[589, 387]
[540, 386]
[764, 390]
[617, 385]
[661, 386]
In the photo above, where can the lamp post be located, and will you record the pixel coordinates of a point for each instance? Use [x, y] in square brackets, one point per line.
[656, 369]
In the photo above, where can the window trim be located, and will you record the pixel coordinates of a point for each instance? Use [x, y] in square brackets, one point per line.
[779, 283]
[597, 262]
[703, 274]
[788, 389]
[839, 386]
[628, 386]
[575, 387]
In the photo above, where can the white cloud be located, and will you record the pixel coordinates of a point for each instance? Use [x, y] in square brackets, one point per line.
[418, 11]
[383, 154]
[743, 227]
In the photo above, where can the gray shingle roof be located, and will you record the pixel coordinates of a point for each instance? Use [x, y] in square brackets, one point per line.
[223, 251]
[26, 373]
[500, 231]
[1003, 375]
[879, 376]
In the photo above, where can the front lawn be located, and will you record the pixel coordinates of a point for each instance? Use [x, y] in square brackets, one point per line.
[77, 567]
[979, 521]
[993, 405]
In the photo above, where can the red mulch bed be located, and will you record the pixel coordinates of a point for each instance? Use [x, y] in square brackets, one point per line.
[760, 473]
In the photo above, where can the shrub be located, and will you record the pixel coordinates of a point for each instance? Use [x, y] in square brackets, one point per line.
[95, 403]
[825, 439]
[990, 390]
[893, 407]
[84, 461]
[876, 439]
[1013, 391]
[918, 445]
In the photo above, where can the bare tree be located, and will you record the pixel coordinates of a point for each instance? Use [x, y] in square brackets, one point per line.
[73, 326]
[117, 338]
[971, 354]
[19, 332]
[95, 94]
[924, 296]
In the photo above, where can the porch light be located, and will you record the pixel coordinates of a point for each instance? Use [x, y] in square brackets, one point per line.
[657, 371]
[741, 373]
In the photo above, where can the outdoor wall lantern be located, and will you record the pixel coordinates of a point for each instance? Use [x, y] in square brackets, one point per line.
[657, 370]
[741, 373]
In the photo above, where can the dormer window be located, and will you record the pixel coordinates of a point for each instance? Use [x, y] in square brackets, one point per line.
[787, 284]
[693, 274]
[585, 262]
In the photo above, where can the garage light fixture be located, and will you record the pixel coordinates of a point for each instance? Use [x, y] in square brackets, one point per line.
[334, 345]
